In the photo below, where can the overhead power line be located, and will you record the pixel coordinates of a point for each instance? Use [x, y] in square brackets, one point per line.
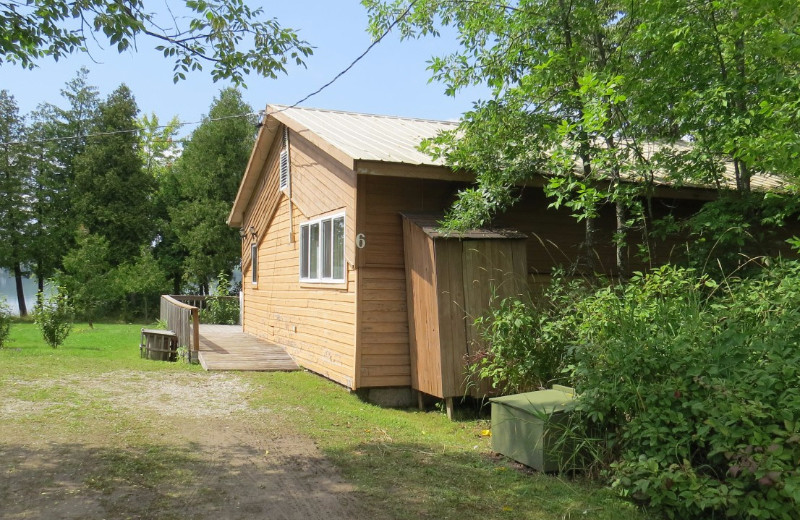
[260, 113]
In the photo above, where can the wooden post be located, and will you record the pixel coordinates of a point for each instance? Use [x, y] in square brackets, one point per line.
[420, 401]
[196, 330]
[448, 403]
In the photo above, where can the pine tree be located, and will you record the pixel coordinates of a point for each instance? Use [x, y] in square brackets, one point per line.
[14, 203]
[113, 194]
[208, 175]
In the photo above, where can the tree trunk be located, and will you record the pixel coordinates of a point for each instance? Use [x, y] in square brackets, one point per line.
[621, 240]
[39, 284]
[23, 309]
[589, 252]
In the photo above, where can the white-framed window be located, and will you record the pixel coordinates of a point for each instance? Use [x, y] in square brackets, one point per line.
[322, 250]
[254, 262]
[285, 172]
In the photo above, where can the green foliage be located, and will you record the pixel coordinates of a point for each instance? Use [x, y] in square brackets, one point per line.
[220, 307]
[139, 282]
[598, 97]
[527, 342]
[695, 386]
[217, 32]
[54, 315]
[730, 232]
[206, 179]
[86, 276]
[112, 192]
[5, 322]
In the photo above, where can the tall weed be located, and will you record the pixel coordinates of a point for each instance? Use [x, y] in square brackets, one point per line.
[220, 308]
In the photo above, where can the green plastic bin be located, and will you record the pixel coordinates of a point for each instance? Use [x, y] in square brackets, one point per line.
[521, 425]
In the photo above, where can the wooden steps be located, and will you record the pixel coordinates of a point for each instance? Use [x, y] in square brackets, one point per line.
[226, 347]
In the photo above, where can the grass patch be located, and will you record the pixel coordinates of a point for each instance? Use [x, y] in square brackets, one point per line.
[74, 413]
[86, 351]
[421, 465]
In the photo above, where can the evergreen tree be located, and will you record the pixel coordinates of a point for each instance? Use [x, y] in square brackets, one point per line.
[14, 203]
[113, 194]
[208, 175]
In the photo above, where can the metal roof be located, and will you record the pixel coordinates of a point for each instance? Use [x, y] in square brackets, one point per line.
[367, 137]
[351, 137]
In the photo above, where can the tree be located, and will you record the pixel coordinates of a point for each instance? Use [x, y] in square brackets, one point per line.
[14, 204]
[578, 88]
[217, 34]
[158, 146]
[557, 85]
[113, 194]
[159, 149]
[87, 278]
[57, 136]
[208, 174]
[724, 73]
[140, 281]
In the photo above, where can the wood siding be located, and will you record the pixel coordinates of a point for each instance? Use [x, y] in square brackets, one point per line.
[450, 282]
[315, 322]
[384, 342]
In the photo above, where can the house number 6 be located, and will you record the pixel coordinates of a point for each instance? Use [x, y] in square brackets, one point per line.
[361, 241]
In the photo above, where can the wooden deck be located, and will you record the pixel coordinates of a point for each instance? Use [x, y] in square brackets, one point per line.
[226, 347]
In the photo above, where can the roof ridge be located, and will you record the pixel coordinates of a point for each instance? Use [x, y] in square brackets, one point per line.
[285, 108]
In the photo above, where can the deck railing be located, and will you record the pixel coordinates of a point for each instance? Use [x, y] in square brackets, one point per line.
[184, 320]
[199, 300]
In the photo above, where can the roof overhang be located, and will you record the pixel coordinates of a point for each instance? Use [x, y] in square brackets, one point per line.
[264, 139]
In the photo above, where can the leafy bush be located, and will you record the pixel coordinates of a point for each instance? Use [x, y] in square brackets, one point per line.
[697, 388]
[220, 308]
[527, 342]
[5, 322]
[54, 315]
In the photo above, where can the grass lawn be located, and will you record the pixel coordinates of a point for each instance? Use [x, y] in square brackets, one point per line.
[403, 463]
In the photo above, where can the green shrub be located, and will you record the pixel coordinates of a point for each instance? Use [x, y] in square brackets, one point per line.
[54, 317]
[527, 342]
[5, 322]
[220, 307]
[696, 387]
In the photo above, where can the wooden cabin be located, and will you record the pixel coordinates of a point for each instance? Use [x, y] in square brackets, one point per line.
[323, 255]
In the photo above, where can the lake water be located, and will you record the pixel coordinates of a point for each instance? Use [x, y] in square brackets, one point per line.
[8, 291]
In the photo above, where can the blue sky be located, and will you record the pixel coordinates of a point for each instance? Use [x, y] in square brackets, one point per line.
[391, 79]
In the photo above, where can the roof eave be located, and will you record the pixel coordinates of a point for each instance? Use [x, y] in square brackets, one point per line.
[418, 170]
[255, 165]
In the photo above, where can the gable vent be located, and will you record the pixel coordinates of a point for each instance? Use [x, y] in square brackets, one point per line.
[284, 180]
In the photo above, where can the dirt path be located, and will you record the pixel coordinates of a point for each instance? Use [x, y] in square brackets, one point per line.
[133, 445]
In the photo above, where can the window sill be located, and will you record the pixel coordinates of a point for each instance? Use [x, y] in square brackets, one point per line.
[323, 285]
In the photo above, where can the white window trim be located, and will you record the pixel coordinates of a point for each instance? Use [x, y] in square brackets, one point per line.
[321, 280]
